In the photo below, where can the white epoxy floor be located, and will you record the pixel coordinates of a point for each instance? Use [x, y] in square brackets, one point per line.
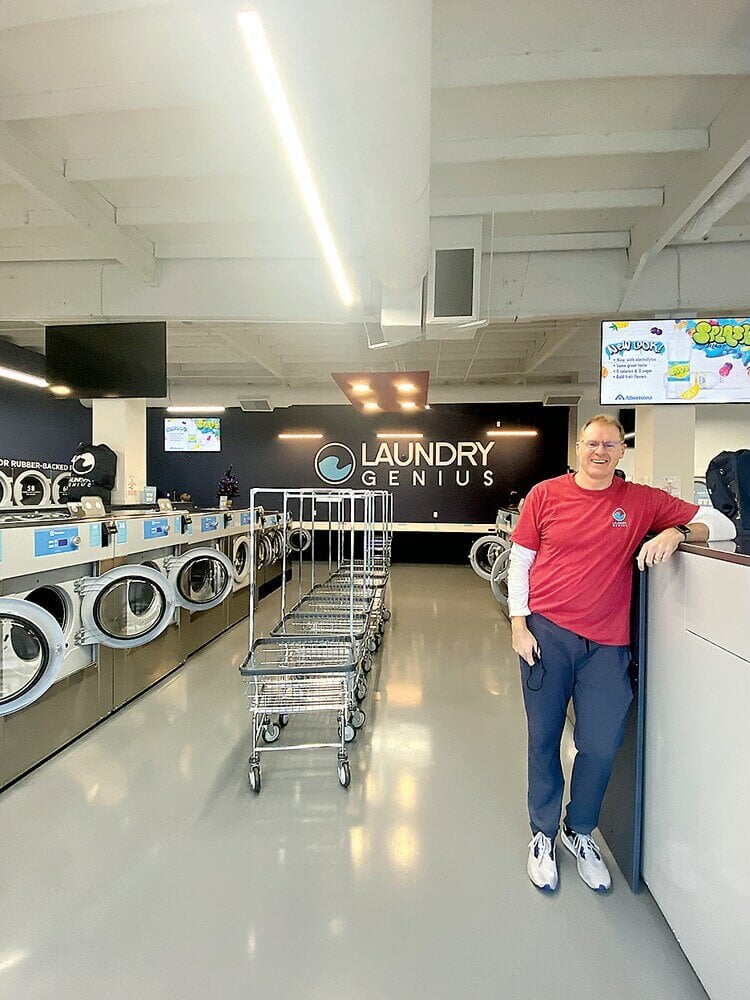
[137, 865]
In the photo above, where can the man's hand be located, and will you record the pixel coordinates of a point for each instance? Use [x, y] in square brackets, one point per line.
[659, 549]
[524, 642]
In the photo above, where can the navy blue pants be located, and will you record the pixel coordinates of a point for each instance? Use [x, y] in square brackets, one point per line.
[597, 679]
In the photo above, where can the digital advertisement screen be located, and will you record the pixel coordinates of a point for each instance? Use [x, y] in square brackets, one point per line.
[675, 361]
[192, 434]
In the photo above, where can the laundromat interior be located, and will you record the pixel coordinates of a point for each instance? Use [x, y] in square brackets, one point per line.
[374, 499]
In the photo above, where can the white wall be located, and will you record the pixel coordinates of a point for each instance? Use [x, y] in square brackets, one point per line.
[720, 428]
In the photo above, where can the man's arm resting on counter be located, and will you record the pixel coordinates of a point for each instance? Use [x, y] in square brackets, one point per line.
[708, 525]
[523, 641]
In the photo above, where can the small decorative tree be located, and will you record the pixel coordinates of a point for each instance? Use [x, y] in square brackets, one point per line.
[228, 486]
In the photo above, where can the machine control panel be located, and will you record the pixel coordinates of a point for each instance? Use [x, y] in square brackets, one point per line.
[53, 541]
[245, 517]
[209, 522]
[155, 527]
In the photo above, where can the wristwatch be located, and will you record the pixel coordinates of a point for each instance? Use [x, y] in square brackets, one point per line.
[683, 528]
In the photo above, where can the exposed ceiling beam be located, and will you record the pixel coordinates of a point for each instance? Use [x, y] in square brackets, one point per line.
[11, 254]
[123, 168]
[691, 187]
[33, 218]
[560, 241]
[27, 168]
[114, 97]
[179, 215]
[534, 147]
[247, 344]
[563, 201]
[550, 346]
[589, 64]
[721, 234]
[19, 13]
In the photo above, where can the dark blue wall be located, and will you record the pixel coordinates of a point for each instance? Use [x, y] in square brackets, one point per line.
[249, 442]
[34, 426]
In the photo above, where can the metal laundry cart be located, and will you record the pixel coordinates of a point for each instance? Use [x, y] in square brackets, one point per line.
[317, 654]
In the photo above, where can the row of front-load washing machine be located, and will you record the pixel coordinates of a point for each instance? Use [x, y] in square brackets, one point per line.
[93, 612]
[33, 488]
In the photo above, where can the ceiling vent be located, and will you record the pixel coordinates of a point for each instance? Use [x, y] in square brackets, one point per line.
[550, 400]
[255, 405]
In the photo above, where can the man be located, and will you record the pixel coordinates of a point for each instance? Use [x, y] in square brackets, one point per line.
[569, 593]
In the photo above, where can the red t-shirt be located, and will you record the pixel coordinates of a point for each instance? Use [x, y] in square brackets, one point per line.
[585, 540]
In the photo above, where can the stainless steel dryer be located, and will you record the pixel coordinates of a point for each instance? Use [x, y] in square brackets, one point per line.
[237, 547]
[203, 576]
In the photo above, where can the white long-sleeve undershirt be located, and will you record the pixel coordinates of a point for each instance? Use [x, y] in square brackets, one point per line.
[720, 529]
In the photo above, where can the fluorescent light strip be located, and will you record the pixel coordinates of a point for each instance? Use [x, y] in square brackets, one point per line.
[523, 434]
[195, 409]
[257, 43]
[16, 376]
[300, 437]
[386, 436]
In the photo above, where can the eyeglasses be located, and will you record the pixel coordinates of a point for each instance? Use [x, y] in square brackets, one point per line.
[609, 445]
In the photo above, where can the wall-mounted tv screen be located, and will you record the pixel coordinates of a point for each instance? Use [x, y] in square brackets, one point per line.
[108, 360]
[675, 361]
[192, 434]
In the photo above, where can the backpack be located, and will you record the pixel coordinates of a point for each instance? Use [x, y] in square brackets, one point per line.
[728, 484]
[92, 472]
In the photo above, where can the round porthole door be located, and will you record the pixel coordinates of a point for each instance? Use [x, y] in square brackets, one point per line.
[127, 606]
[202, 578]
[32, 489]
[32, 648]
[6, 490]
[241, 559]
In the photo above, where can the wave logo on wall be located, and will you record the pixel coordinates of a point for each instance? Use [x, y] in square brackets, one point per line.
[335, 463]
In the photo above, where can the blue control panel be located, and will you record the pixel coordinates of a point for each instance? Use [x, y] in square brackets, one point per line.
[122, 532]
[95, 536]
[53, 541]
[177, 524]
[271, 520]
[245, 517]
[210, 522]
[155, 527]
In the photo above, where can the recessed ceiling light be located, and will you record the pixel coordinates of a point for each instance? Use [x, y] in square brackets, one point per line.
[299, 437]
[16, 376]
[361, 387]
[60, 390]
[195, 409]
[371, 405]
[399, 435]
[257, 43]
[408, 404]
[406, 387]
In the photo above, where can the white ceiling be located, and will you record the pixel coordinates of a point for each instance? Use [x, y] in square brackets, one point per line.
[133, 135]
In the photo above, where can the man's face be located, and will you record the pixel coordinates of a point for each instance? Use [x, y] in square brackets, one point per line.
[599, 449]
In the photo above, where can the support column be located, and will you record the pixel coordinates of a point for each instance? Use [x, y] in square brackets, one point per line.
[665, 448]
[121, 424]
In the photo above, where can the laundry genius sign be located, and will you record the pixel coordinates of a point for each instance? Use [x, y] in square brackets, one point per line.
[399, 463]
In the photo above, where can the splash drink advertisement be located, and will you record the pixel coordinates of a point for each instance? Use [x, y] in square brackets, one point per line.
[675, 361]
[190, 434]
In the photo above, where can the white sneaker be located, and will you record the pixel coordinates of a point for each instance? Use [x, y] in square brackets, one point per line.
[591, 866]
[541, 866]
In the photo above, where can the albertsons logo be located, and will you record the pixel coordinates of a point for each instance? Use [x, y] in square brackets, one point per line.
[335, 463]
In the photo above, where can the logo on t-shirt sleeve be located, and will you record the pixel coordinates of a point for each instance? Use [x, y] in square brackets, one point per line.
[619, 518]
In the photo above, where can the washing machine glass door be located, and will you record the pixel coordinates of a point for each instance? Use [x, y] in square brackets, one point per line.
[202, 578]
[32, 647]
[127, 606]
[241, 559]
[6, 490]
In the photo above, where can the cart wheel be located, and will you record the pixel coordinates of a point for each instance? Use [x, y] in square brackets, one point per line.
[381, 626]
[283, 721]
[372, 644]
[271, 732]
[360, 692]
[386, 614]
[253, 775]
[345, 774]
[367, 663]
[350, 733]
[358, 718]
